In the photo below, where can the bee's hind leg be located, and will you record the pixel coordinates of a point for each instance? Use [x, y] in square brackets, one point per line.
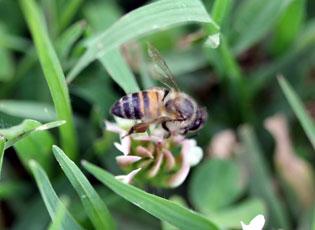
[138, 128]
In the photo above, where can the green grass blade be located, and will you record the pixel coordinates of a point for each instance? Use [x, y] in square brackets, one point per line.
[60, 214]
[289, 26]
[260, 182]
[28, 109]
[68, 13]
[2, 144]
[67, 39]
[16, 133]
[220, 9]
[36, 146]
[53, 74]
[142, 21]
[12, 189]
[50, 197]
[254, 19]
[94, 206]
[119, 71]
[299, 110]
[161, 208]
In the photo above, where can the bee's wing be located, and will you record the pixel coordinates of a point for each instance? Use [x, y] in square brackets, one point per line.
[162, 70]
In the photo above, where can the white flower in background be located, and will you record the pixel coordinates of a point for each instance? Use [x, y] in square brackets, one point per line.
[223, 144]
[163, 162]
[255, 224]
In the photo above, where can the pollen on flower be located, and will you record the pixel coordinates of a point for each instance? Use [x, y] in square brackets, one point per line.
[163, 162]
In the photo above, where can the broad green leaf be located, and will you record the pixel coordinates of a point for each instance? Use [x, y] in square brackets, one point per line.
[161, 208]
[209, 194]
[37, 146]
[16, 133]
[53, 73]
[140, 22]
[260, 178]
[28, 109]
[299, 110]
[50, 197]
[93, 204]
[253, 19]
[245, 211]
[119, 70]
[60, 214]
[2, 144]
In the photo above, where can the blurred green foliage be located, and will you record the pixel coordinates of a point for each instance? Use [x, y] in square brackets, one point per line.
[71, 59]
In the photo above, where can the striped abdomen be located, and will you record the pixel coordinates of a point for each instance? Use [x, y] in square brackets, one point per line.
[142, 105]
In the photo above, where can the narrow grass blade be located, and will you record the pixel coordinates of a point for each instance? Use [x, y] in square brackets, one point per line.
[53, 74]
[299, 110]
[28, 109]
[37, 146]
[12, 189]
[68, 13]
[2, 143]
[161, 208]
[253, 19]
[289, 26]
[119, 71]
[50, 197]
[60, 214]
[260, 182]
[142, 21]
[16, 133]
[67, 39]
[93, 204]
[220, 9]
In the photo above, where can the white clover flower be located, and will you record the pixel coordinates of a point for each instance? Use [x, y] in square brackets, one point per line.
[153, 154]
[255, 224]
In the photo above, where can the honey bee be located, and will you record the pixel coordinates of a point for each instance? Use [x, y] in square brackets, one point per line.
[175, 111]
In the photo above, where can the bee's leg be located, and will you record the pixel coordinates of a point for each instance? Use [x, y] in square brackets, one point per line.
[138, 128]
[168, 132]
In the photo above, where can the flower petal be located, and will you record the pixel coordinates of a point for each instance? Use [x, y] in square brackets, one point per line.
[127, 160]
[113, 127]
[144, 152]
[223, 144]
[195, 155]
[128, 178]
[124, 146]
[156, 167]
[169, 159]
[179, 177]
[256, 224]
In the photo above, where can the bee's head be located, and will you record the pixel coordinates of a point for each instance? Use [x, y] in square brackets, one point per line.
[200, 120]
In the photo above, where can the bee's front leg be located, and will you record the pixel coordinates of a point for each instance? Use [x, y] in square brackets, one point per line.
[138, 128]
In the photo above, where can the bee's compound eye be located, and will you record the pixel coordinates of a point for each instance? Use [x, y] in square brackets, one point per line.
[200, 120]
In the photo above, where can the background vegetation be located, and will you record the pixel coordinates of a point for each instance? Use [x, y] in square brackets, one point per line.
[64, 62]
